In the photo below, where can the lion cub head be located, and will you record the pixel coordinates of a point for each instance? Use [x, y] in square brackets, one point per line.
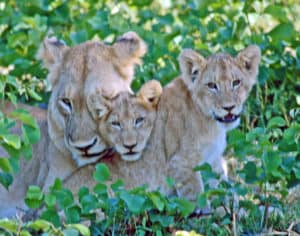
[76, 73]
[220, 84]
[128, 120]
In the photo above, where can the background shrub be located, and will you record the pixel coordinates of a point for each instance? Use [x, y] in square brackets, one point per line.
[265, 147]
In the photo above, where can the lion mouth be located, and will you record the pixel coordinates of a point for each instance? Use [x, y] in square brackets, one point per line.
[130, 153]
[229, 118]
[98, 154]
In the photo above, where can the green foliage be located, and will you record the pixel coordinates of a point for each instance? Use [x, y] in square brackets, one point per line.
[16, 144]
[266, 146]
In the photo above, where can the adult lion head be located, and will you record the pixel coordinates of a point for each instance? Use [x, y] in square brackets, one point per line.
[77, 72]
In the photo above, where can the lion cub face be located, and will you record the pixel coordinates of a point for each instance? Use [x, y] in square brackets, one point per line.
[221, 83]
[129, 119]
[77, 72]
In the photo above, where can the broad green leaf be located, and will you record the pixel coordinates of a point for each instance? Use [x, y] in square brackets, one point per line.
[24, 116]
[6, 179]
[100, 189]
[163, 220]
[52, 216]
[81, 228]
[34, 197]
[73, 214]
[185, 207]
[102, 173]
[88, 202]
[12, 140]
[284, 31]
[64, 198]
[277, 12]
[5, 165]
[34, 95]
[70, 232]
[250, 172]
[10, 225]
[40, 225]
[117, 185]
[272, 161]
[31, 134]
[134, 202]
[276, 122]
[157, 201]
[201, 200]
[50, 200]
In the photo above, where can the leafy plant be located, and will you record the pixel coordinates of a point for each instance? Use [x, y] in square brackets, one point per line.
[264, 150]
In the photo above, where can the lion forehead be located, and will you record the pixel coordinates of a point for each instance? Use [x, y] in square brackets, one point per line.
[222, 67]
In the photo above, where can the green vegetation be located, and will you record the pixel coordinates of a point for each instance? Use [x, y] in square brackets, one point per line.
[265, 148]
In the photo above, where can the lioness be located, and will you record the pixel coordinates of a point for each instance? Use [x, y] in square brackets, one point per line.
[126, 124]
[69, 136]
[195, 112]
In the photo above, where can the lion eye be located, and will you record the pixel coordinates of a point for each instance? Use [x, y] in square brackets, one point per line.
[236, 83]
[116, 124]
[139, 121]
[66, 104]
[212, 86]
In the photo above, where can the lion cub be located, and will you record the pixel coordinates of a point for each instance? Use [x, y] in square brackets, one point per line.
[195, 112]
[125, 123]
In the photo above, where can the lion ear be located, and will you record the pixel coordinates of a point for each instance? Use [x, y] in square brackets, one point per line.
[130, 48]
[190, 63]
[51, 51]
[150, 93]
[249, 59]
[98, 105]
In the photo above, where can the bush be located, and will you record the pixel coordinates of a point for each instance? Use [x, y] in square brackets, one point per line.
[266, 146]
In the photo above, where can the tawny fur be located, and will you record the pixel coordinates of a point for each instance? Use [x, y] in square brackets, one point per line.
[122, 126]
[186, 133]
[69, 134]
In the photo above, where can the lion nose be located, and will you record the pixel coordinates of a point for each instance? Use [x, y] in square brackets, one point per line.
[130, 147]
[85, 147]
[228, 108]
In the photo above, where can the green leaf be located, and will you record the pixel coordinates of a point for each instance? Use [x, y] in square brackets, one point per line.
[70, 232]
[88, 202]
[278, 12]
[284, 31]
[40, 225]
[276, 122]
[101, 189]
[52, 216]
[185, 207]
[201, 200]
[64, 198]
[102, 173]
[10, 225]
[12, 140]
[5, 165]
[73, 214]
[163, 220]
[81, 228]
[118, 185]
[134, 202]
[6, 179]
[34, 197]
[24, 116]
[272, 162]
[250, 172]
[34, 95]
[157, 201]
[50, 200]
[31, 134]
